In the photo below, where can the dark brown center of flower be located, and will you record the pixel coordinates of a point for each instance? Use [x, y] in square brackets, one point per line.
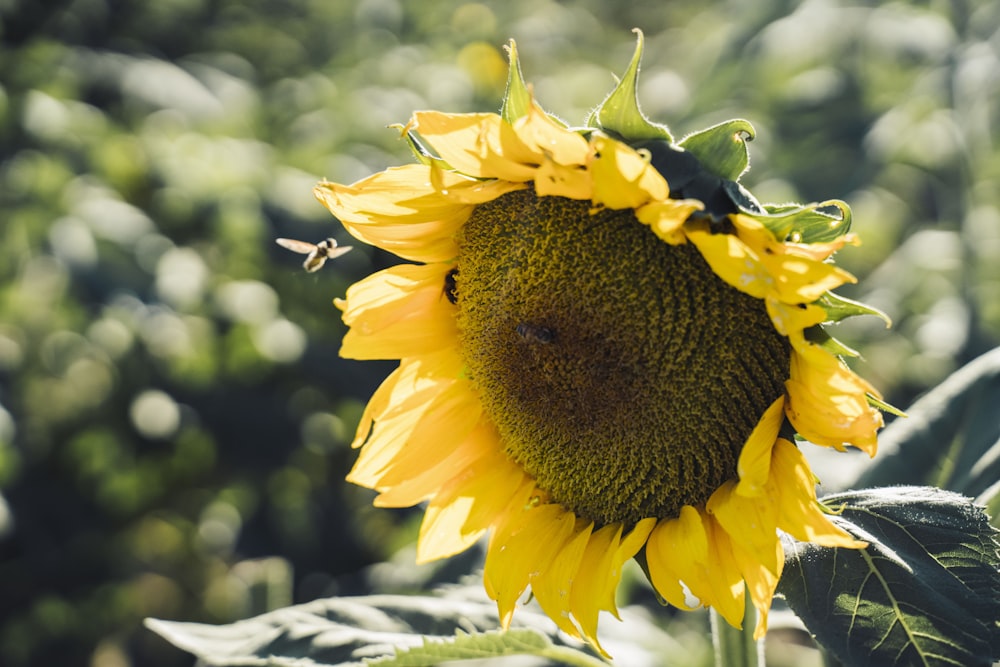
[621, 372]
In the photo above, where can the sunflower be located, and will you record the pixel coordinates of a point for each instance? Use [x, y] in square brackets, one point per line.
[606, 349]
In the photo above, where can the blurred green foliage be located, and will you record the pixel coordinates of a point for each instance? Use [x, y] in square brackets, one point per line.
[174, 418]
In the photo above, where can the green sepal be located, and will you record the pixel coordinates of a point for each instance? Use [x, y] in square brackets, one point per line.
[822, 337]
[419, 151]
[517, 98]
[840, 308]
[806, 224]
[619, 114]
[876, 402]
[743, 198]
[722, 148]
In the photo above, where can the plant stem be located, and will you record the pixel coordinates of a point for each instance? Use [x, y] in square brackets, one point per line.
[733, 647]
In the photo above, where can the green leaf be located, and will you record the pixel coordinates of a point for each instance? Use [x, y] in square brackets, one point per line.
[387, 630]
[495, 644]
[840, 308]
[951, 438]
[722, 148]
[810, 223]
[619, 114]
[926, 591]
[517, 98]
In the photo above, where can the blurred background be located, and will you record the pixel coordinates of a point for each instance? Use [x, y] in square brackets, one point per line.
[174, 418]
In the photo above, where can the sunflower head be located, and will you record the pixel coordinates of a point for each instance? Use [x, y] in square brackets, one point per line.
[607, 347]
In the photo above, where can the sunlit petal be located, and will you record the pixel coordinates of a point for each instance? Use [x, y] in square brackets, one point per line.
[733, 261]
[754, 464]
[622, 177]
[399, 312]
[528, 542]
[799, 513]
[400, 211]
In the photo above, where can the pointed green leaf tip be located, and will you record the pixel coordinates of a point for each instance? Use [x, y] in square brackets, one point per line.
[517, 98]
[722, 148]
[806, 223]
[839, 308]
[619, 113]
[419, 151]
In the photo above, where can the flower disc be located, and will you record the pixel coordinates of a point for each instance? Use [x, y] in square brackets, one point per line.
[622, 373]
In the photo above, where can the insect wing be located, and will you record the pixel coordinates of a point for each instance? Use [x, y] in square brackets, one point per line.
[333, 253]
[296, 246]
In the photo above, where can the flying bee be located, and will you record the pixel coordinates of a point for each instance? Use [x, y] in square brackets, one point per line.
[317, 254]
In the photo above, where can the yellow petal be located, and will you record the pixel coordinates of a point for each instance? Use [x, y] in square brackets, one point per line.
[626, 550]
[691, 563]
[527, 543]
[376, 404]
[673, 549]
[799, 512]
[398, 210]
[754, 464]
[408, 442]
[401, 390]
[760, 582]
[791, 318]
[599, 573]
[592, 579]
[755, 234]
[462, 190]
[732, 260]
[801, 280]
[444, 531]
[441, 468]
[821, 251]
[827, 403]
[399, 312]
[553, 585]
[449, 418]
[461, 512]
[725, 590]
[458, 138]
[666, 218]
[544, 136]
[749, 522]
[557, 180]
[798, 271]
[480, 145]
[622, 177]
